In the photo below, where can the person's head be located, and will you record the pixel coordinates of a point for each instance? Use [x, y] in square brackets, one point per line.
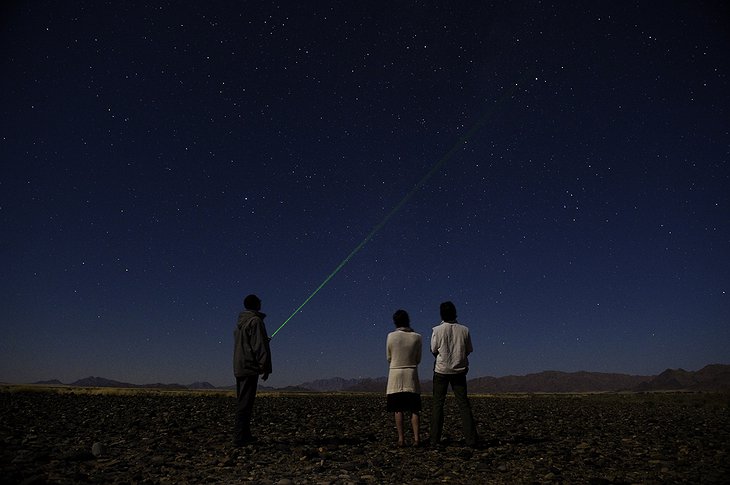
[401, 319]
[448, 312]
[252, 302]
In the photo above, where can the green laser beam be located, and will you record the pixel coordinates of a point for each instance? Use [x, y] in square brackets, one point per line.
[434, 168]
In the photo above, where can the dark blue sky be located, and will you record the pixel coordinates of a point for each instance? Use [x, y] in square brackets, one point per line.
[163, 160]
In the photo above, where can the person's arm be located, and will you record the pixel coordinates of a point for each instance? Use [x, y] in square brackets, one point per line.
[469, 348]
[419, 346]
[260, 346]
[434, 343]
[388, 354]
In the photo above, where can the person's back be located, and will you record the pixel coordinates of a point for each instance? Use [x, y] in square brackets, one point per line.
[404, 349]
[251, 352]
[403, 390]
[451, 344]
[251, 358]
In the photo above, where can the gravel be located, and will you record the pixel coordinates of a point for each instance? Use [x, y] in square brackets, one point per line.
[155, 438]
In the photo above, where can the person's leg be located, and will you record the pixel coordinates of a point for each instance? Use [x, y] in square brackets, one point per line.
[399, 427]
[415, 424]
[440, 387]
[458, 384]
[245, 394]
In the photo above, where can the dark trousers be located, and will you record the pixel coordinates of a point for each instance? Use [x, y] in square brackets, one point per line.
[245, 394]
[440, 388]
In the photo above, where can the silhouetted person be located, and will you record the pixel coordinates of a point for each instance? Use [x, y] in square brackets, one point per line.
[251, 358]
[403, 394]
[450, 344]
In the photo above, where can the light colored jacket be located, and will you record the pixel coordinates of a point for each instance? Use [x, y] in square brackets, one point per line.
[403, 351]
[450, 344]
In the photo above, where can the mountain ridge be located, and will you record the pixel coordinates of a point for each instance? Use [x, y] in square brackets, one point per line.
[712, 378]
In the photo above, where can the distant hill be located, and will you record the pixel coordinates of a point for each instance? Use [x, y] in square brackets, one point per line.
[714, 377]
[92, 381]
[330, 385]
[369, 385]
[555, 381]
[52, 382]
[104, 382]
[201, 385]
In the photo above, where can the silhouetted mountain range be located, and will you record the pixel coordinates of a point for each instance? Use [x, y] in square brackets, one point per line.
[715, 377]
[92, 381]
[339, 384]
[554, 381]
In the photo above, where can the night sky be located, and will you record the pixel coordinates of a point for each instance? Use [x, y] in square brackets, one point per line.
[558, 170]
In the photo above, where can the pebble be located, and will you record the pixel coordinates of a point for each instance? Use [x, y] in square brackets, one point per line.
[97, 449]
[349, 439]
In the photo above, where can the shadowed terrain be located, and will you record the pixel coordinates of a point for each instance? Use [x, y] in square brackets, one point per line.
[79, 436]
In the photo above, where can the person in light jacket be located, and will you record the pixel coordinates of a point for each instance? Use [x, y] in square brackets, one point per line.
[403, 393]
[450, 345]
[251, 358]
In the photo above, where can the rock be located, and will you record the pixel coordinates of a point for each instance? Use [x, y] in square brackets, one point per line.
[483, 467]
[465, 454]
[97, 449]
[349, 439]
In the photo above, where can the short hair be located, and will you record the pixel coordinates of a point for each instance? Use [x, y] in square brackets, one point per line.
[252, 302]
[401, 319]
[448, 311]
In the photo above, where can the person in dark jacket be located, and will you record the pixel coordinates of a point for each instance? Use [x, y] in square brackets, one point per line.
[251, 358]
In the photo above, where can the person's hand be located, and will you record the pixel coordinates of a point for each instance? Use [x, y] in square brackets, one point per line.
[265, 376]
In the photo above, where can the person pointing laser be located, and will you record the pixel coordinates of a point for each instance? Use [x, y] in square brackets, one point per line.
[251, 358]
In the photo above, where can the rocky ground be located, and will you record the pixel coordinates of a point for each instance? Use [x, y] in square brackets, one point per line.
[146, 438]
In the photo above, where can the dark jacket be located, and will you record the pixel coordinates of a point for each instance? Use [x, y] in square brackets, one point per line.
[251, 353]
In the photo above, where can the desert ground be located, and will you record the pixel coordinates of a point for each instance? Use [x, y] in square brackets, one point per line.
[148, 437]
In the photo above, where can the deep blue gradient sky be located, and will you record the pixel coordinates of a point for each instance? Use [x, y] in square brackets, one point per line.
[162, 160]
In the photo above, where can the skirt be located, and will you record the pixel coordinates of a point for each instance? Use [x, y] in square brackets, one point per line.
[399, 402]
